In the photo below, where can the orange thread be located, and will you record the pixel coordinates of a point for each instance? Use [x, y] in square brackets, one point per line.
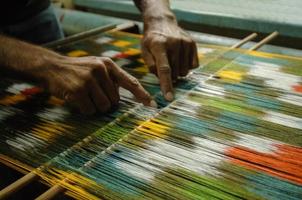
[274, 164]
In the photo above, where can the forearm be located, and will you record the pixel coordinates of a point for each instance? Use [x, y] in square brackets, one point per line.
[21, 59]
[155, 11]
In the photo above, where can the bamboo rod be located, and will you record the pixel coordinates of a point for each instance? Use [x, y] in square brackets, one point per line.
[234, 46]
[264, 41]
[52, 192]
[17, 185]
[244, 40]
[15, 164]
[123, 26]
[83, 35]
[80, 36]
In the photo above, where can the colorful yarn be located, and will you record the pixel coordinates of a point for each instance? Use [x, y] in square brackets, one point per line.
[233, 132]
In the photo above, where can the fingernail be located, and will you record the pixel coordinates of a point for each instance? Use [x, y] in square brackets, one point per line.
[153, 104]
[169, 96]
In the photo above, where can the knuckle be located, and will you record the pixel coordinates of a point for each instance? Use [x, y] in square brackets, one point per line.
[147, 42]
[158, 40]
[188, 40]
[192, 42]
[70, 96]
[176, 39]
[145, 39]
[107, 61]
[79, 88]
[98, 63]
[86, 75]
[164, 69]
[93, 58]
[134, 82]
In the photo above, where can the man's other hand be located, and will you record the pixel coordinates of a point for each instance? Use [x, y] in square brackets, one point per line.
[91, 83]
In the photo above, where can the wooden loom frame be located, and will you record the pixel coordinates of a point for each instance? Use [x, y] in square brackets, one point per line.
[57, 189]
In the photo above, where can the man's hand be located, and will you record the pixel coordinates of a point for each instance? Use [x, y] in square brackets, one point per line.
[91, 83]
[168, 50]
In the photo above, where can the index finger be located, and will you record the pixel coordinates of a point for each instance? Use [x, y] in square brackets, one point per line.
[130, 83]
[158, 51]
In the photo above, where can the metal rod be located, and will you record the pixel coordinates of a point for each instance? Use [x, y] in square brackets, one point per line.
[244, 40]
[264, 41]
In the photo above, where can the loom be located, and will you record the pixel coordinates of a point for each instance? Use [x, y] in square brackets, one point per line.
[233, 132]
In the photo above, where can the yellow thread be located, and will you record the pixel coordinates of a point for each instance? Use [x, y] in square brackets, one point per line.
[44, 135]
[141, 60]
[77, 53]
[160, 122]
[55, 176]
[48, 131]
[227, 74]
[154, 129]
[143, 69]
[132, 52]
[271, 55]
[121, 43]
[58, 125]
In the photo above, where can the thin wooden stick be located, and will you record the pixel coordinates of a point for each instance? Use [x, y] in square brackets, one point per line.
[52, 192]
[15, 164]
[264, 41]
[17, 185]
[79, 36]
[234, 46]
[123, 26]
[244, 40]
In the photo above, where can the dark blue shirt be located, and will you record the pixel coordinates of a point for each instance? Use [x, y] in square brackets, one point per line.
[15, 11]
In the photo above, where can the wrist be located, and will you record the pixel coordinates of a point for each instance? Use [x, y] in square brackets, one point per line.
[152, 22]
[42, 68]
[156, 12]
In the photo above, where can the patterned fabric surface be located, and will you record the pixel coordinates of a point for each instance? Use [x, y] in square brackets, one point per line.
[233, 132]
